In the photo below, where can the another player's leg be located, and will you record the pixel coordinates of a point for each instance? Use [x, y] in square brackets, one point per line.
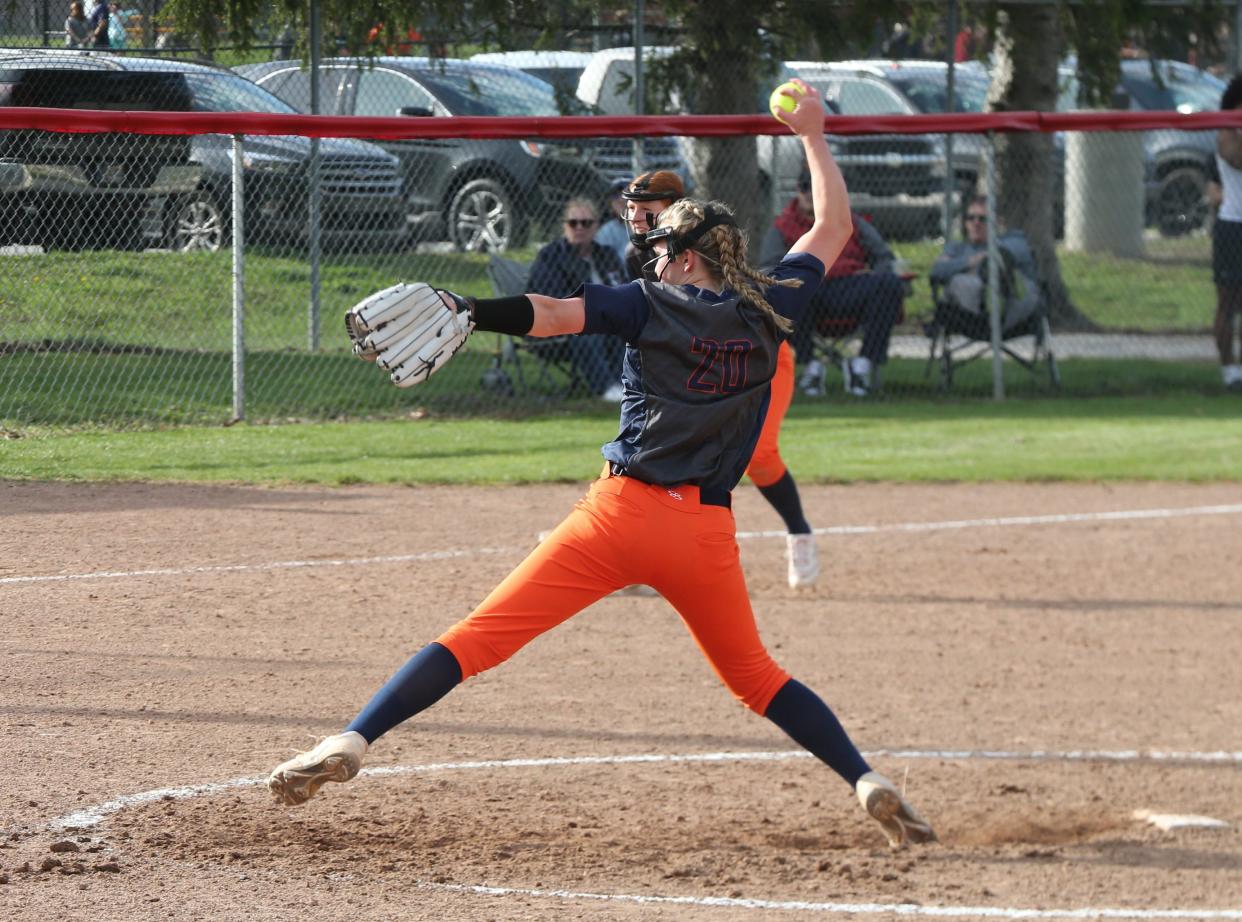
[768, 473]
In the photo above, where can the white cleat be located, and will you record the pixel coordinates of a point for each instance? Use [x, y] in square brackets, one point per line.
[900, 822]
[803, 560]
[337, 758]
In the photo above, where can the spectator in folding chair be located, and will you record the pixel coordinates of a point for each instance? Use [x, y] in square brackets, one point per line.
[861, 289]
[959, 278]
[560, 269]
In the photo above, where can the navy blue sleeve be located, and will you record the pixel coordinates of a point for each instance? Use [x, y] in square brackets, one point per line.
[790, 302]
[620, 310]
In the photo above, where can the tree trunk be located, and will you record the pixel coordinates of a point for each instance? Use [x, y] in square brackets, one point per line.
[728, 85]
[1025, 79]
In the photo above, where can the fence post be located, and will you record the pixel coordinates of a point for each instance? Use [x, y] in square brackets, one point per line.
[313, 203]
[239, 281]
[995, 304]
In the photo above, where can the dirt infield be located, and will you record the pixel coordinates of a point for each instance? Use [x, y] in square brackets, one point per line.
[1034, 662]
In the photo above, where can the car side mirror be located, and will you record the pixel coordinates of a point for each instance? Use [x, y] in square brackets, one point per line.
[415, 111]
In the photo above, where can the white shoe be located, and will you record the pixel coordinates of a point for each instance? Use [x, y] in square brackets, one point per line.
[614, 394]
[337, 758]
[812, 381]
[901, 824]
[803, 560]
[857, 375]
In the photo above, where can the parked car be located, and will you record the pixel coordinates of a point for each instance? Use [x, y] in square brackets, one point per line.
[480, 194]
[895, 180]
[1176, 163]
[148, 190]
[615, 158]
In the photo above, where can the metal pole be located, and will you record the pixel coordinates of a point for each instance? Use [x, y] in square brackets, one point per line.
[950, 176]
[994, 296]
[313, 199]
[640, 98]
[239, 281]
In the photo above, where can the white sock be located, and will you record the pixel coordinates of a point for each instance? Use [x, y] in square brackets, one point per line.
[861, 366]
[1231, 374]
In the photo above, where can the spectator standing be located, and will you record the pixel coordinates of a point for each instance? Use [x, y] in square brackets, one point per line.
[117, 21]
[97, 25]
[860, 285]
[560, 269]
[1226, 190]
[614, 233]
[77, 32]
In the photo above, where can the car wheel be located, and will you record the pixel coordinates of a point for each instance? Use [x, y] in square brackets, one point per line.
[1181, 206]
[196, 222]
[482, 218]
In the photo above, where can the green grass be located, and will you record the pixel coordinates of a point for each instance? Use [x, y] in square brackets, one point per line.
[1188, 438]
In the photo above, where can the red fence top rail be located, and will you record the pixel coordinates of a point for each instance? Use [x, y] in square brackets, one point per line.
[397, 128]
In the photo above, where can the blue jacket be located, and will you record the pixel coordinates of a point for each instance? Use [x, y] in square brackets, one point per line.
[558, 270]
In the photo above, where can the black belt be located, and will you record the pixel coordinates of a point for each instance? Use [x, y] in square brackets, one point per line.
[708, 496]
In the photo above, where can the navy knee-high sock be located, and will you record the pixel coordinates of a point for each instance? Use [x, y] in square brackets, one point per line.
[783, 495]
[811, 724]
[427, 676]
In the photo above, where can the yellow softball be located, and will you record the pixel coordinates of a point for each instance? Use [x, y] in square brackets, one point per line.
[778, 102]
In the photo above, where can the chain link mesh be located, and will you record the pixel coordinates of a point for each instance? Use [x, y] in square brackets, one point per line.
[116, 265]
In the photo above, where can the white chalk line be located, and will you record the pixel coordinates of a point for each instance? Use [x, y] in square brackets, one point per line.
[897, 909]
[90, 816]
[1003, 522]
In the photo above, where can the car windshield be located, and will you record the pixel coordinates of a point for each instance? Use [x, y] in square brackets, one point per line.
[230, 93]
[928, 91]
[481, 91]
[1185, 89]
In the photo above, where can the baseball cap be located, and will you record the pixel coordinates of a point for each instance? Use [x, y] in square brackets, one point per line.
[617, 186]
[654, 186]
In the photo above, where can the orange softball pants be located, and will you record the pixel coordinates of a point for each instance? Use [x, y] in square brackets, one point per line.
[766, 466]
[624, 532]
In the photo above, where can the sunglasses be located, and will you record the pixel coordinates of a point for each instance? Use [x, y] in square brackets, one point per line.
[580, 222]
[981, 218]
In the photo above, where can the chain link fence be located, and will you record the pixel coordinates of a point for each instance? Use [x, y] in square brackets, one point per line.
[119, 283]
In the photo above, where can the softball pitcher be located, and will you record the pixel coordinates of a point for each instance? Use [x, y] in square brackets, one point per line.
[702, 349]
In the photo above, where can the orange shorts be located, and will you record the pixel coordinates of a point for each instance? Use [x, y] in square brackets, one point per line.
[766, 466]
[624, 532]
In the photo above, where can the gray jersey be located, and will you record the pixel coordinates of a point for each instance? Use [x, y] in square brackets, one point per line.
[698, 368]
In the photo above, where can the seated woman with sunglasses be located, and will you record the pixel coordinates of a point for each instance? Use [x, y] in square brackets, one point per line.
[563, 266]
[960, 271]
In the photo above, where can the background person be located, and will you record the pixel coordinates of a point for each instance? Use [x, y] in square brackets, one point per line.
[614, 232]
[97, 25]
[1227, 240]
[560, 269]
[861, 285]
[77, 32]
[961, 271]
[660, 513]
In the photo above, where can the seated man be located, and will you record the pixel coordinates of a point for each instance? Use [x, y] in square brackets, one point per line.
[559, 269]
[960, 273]
[860, 286]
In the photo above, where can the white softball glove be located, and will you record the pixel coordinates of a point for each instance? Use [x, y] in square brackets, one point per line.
[409, 330]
